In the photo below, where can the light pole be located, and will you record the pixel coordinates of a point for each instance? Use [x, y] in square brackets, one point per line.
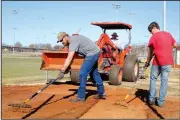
[37, 46]
[14, 12]
[145, 46]
[146, 36]
[40, 19]
[46, 39]
[131, 14]
[54, 34]
[14, 40]
[164, 15]
[117, 6]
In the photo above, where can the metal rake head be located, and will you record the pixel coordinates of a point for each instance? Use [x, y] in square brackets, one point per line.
[23, 108]
[122, 103]
[22, 105]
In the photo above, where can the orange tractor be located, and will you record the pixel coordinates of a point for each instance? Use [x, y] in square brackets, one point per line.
[117, 64]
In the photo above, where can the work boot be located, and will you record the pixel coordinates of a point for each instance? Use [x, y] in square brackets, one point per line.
[100, 97]
[77, 99]
[160, 104]
[151, 102]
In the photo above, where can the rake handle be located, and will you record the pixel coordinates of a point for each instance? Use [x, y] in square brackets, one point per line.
[135, 83]
[40, 90]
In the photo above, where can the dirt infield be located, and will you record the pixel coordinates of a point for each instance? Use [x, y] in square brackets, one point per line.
[54, 103]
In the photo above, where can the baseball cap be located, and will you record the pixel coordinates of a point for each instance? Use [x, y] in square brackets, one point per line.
[61, 35]
[114, 34]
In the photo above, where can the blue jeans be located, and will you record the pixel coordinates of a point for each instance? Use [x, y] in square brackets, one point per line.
[155, 72]
[90, 65]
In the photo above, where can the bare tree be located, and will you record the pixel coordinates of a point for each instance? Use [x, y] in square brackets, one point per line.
[58, 47]
[47, 46]
[18, 44]
[32, 46]
[39, 46]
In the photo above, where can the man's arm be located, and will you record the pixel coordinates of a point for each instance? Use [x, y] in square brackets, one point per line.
[150, 54]
[68, 60]
[175, 45]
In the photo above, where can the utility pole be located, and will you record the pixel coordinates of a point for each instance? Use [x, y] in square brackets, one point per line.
[164, 15]
[46, 39]
[14, 40]
[14, 12]
[37, 44]
[145, 46]
[117, 6]
[40, 19]
[131, 14]
[54, 34]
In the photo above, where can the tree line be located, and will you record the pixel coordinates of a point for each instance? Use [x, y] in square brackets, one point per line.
[46, 46]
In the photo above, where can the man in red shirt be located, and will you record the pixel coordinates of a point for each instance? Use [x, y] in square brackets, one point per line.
[160, 46]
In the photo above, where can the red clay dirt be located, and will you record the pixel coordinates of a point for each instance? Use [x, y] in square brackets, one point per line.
[54, 102]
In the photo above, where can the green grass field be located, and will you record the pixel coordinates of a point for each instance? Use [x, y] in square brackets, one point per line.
[23, 68]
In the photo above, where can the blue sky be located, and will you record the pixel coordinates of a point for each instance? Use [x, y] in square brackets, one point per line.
[38, 21]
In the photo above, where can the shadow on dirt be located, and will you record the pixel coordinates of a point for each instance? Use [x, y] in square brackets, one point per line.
[89, 92]
[143, 95]
[72, 83]
[36, 109]
[90, 81]
[65, 97]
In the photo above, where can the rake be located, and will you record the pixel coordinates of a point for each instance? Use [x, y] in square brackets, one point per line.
[123, 102]
[24, 104]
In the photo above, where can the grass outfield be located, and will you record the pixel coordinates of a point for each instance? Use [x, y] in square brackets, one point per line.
[23, 68]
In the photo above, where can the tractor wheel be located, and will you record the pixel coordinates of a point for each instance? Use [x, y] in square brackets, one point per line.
[115, 75]
[74, 75]
[131, 68]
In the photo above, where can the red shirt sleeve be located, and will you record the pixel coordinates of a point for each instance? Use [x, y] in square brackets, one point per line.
[172, 39]
[150, 44]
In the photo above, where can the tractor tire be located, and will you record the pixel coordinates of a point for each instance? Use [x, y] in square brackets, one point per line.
[74, 75]
[131, 68]
[115, 75]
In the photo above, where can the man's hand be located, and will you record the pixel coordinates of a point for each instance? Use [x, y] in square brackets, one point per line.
[61, 74]
[146, 65]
